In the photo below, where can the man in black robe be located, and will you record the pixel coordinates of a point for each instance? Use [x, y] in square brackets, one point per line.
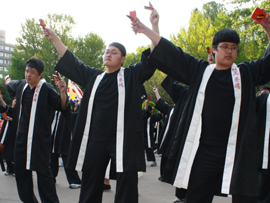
[62, 128]
[217, 143]
[109, 123]
[34, 100]
[148, 121]
[7, 135]
[263, 106]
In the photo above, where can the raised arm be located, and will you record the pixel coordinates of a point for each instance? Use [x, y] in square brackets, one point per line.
[155, 90]
[265, 24]
[61, 84]
[154, 19]
[60, 47]
[146, 105]
[139, 27]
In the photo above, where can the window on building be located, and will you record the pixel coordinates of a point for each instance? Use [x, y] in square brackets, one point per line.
[1, 47]
[6, 55]
[1, 75]
[1, 61]
[7, 48]
[11, 49]
[6, 62]
[1, 54]
[5, 69]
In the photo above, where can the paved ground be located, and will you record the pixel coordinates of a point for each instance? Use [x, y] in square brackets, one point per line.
[151, 190]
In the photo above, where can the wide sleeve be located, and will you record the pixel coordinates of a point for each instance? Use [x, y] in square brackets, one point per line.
[176, 63]
[74, 69]
[12, 87]
[174, 89]
[163, 107]
[260, 69]
[54, 99]
[142, 71]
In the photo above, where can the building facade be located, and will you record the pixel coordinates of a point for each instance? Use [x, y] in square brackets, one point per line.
[5, 54]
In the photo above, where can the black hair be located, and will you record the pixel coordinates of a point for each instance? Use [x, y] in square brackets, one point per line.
[150, 108]
[36, 63]
[225, 35]
[265, 87]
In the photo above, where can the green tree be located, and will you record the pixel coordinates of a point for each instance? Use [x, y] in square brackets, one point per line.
[90, 49]
[33, 43]
[155, 80]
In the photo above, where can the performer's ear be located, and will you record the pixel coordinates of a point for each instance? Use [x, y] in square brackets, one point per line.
[40, 75]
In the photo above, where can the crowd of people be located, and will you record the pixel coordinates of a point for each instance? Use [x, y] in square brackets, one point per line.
[214, 140]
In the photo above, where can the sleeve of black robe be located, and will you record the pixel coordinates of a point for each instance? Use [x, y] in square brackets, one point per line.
[184, 67]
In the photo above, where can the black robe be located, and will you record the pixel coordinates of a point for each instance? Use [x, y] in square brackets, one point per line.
[179, 95]
[41, 143]
[261, 101]
[135, 76]
[189, 70]
[153, 119]
[8, 152]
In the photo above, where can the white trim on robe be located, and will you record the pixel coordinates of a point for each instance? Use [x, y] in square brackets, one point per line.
[5, 133]
[266, 135]
[32, 122]
[167, 127]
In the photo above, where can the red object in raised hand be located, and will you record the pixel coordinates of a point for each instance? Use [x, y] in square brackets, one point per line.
[42, 23]
[208, 50]
[258, 14]
[133, 15]
[149, 98]
[58, 75]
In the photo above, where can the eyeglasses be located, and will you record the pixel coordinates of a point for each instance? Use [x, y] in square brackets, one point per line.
[227, 48]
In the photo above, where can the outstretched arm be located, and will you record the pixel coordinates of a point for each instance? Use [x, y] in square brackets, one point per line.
[154, 19]
[139, 27]
[60, 47]
[61, 84]
[146, 105]
[156, 92]
[265, 24]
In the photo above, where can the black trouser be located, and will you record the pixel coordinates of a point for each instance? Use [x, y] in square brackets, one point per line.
[206, 176]
[150, 154]
[163, 162]
[72, 175]
[10, 166]
[180, 193]
[264, 186]
[46, 185]
[96, 160]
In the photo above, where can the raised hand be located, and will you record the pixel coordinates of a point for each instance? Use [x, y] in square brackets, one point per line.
[154, 17]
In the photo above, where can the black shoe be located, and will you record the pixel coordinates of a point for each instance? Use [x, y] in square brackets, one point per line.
[106, 187]
[160, 178]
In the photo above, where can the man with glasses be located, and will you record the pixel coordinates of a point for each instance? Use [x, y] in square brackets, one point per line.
[216, 151]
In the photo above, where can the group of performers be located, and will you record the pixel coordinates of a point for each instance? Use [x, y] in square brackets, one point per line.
[211, 143]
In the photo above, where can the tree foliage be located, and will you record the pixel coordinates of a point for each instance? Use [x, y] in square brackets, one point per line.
[88, 48]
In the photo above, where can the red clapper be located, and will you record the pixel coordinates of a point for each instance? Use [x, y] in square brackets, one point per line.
[258, 14]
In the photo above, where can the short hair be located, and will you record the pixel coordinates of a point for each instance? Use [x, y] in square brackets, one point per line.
[36, 63]
[150, 108]
[225, 35]
[264, 87]
[120, 47]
